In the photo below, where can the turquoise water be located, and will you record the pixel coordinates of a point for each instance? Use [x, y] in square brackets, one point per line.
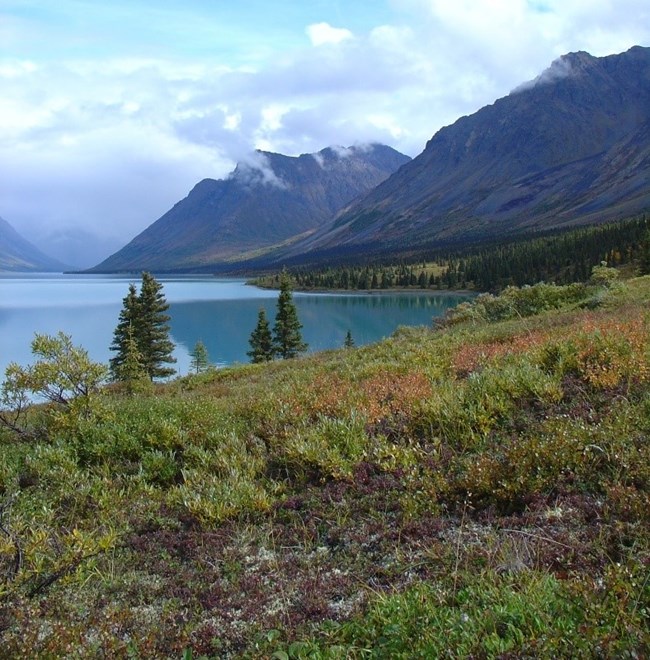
[220, 312]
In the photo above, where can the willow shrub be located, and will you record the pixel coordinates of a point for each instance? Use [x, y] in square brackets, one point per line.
[514, 302]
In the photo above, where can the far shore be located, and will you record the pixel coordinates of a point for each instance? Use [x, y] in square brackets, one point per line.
[391, 290]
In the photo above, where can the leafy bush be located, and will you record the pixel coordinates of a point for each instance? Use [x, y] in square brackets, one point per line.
[63, 375]
[515, 302]
[602, 354]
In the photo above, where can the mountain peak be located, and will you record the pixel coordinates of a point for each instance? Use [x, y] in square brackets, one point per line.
[581, 63]
[571, 146]
[267, 200]
[258, 170]
[565, 66]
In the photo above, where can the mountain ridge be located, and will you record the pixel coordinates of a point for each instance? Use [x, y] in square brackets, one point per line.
[570, 147]
[575, 140]
[18, 255]
[266, 201]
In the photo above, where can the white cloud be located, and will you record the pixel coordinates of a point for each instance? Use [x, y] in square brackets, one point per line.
[16, 69]
[255, 168]
[321, 34]
[319, 159]
[560, 68]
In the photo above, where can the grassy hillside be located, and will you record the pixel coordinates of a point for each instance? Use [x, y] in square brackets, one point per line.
[476, 489]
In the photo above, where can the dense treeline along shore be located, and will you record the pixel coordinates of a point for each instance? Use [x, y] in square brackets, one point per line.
[560, 257]
[476, 489]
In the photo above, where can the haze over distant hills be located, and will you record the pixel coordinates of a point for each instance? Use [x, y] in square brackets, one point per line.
[18, 255]
[76, 246]
[271, 200]
[571, 147]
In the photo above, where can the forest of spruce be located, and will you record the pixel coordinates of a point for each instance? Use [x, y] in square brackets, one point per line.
[476, 488]
[561, 257]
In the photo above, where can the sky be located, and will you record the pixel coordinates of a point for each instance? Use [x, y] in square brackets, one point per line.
[110, 112]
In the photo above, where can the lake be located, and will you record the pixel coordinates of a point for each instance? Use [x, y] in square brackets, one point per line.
[220, 312]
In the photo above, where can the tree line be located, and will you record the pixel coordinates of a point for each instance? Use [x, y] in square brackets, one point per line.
[559, 257]
[358, 277]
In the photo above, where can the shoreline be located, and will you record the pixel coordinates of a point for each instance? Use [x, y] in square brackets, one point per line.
[392, 290]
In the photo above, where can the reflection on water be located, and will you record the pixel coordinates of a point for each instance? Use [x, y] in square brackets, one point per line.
[222, 313]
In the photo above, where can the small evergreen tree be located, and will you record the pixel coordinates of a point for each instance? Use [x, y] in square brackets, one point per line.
[644, 258]
[349, 342]
[143, 319]
[286, 331]
[200, 360]
[124, 332]
[152, 331]
[131, 370]
[261, 340]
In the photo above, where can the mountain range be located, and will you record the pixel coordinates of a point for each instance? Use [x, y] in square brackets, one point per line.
[17, 254]
[270, 201]
[571, 147]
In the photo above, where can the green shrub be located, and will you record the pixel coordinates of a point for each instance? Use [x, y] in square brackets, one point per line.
[515, 302]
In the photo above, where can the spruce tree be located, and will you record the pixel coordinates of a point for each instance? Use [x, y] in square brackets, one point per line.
[286, 331]
[152, 331]
[261, 340]
[131, 371]
[644, 257]
[200, 360]
[143, 321]
[349, 341]
[124, 332]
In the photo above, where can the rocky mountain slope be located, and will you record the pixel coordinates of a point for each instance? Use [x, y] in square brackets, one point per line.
[19, 255]
[267, 201]
[571, 147]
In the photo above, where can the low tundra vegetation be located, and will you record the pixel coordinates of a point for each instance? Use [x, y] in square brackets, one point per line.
[475, 489]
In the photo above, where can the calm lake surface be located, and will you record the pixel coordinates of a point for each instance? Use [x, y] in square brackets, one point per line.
[220, 312]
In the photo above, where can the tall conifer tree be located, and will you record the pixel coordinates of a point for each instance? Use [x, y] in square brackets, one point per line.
[124, 333]
[152, 333]
[143, 319]
[287, 337]
[261, 340]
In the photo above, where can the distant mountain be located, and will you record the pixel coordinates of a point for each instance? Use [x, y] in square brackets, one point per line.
[19, 255]
[78, 247]
[270, 200]
[570, 147]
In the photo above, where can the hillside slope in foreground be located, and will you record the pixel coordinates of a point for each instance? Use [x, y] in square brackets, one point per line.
[479, 489]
